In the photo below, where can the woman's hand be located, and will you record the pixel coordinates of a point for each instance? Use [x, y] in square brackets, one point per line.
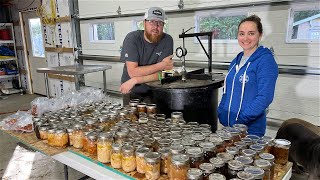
[126, 87]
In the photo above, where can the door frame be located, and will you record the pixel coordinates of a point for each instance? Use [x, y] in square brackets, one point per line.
[25, 48]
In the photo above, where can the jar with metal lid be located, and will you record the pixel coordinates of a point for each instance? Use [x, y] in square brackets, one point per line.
[116, 156]
[245, 175]
[248, 141]
[78, 136]
[152, 168]
[37, 124]
[51, 136]
[265, 165]
[85, 139]
[194, 174]
[248, 152]
[164, 143]
[179, 167]
[186, 142]
[91, 124]
[227, 139]
[134, 103]
[92, 143]
[104, 147]
[269, 157]
[281, 151]
[176, 117]
[257, 148]
[60, 138]
[164, 167]
[254, 138]
[226, 157]
[234, 167]
[240, 145]
[196, 156]
[209, 150]
[128, 161]
[217, 176]
[257, 172]
[246, 161]
[43, 131]
[219, 165]
[198, 138]
[207, 169]
[232, 150]
[133, 114]
[235, 134]
[150, 143]
[143, 120]
[140, 161]
[243, 129]
[120, 136]
[142, 108]
[270, 144]
[151, 110]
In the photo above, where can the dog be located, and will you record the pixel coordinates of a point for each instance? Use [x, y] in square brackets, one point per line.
[305, 145]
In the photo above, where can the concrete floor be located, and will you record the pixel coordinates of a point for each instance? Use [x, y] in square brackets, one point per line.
[42, 166]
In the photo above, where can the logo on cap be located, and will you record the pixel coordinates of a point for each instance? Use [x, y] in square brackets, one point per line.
[157, 12]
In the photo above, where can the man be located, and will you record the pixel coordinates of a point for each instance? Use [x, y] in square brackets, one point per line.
[145, 53]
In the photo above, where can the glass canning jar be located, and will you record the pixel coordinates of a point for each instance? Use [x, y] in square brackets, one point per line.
[85, 139]
[120, 135]
[134, 103]
[140, 161]
[60, 138]
[254, 138]
[240, 145]
[209, 150]
[37, 124]
[104, 147]
[176, 117]
[116, 156]
[243, 129]
[198, 138]
[257, 148]
[133, 114]
[164, 167]
[226, 157]
[70, 135]
[196, 156]
[92, 143]
[257, 172]
[43, 131]
[269, 157]
[247, 141]
[227, 139]
[78, 136]
[265, 165]
[152, 168]
[179, 167]
[246, 161]
[232, 150]
[281, 151]
[217, 176]
[219, 165]
[245, 175]
[142, 107]
[51, 134]
[270, 144]
[151, 110]
[128, 158]
[194, 174]
[207, 169]
[234, 167]
[248, 152]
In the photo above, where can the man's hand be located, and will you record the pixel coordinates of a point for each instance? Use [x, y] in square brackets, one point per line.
[126, 87]
[167, 63]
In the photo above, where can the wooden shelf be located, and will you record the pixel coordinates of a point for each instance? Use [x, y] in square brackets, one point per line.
[7, 59]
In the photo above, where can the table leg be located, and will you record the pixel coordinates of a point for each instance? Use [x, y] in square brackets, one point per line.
[66, 172]
[77, 83]
[46, 82]
[104, 82]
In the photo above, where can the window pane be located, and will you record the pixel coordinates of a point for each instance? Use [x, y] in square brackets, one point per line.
[306, 25]
[224, 27]
[36, 37]
[104, 31]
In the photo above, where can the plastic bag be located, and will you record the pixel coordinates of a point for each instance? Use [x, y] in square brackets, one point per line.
[20, 121]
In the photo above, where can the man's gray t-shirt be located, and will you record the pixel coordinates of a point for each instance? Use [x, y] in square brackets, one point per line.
[136, 49]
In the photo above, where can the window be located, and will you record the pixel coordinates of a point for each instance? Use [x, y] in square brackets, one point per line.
[102, 32]
[36, 37]
[138, 25]
[304, 25]
[222, 24]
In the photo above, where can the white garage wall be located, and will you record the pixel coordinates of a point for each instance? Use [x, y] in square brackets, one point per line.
[296, 96]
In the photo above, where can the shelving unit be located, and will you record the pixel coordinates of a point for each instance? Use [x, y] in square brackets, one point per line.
[6, 79]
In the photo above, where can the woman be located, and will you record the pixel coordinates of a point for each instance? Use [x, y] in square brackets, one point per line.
[250, 83]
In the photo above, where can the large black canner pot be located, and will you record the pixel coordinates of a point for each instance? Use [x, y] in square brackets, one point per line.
[196, 99]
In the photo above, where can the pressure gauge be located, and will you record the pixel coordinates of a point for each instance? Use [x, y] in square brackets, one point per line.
[180, 52]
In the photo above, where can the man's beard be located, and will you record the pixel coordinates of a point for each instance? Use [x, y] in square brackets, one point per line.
[153, 38]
